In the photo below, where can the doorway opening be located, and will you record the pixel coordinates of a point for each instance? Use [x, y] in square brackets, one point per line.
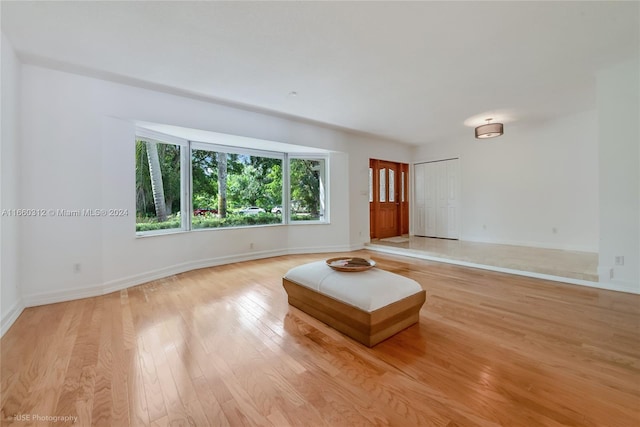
[388, 199]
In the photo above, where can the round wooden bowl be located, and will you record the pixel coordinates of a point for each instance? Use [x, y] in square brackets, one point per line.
[343, 264]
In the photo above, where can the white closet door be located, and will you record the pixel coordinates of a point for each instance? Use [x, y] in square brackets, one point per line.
[437, 199]
[453, 212]
[431, 198]
[419, 188]
[442, 206]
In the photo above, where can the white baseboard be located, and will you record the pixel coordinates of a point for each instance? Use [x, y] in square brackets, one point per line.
[621, 286]
[606, 275]
[42, 298]
[11, 316]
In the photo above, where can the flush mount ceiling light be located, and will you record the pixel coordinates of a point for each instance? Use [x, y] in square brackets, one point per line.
[489, 130]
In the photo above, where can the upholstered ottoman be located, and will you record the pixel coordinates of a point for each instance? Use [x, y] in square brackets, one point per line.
[368, 306]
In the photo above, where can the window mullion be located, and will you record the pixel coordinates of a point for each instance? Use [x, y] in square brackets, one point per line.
[286, 190]
[186, 183]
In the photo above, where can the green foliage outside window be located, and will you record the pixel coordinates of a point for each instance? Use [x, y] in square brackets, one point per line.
[306, 189]
[147, 204]
[251, 181]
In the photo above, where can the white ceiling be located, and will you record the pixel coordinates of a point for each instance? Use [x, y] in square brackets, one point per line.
[409, 71]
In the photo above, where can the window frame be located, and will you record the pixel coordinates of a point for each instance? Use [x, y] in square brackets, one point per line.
[185, 154]
[186, 180]
[324, 219]
[226, 149]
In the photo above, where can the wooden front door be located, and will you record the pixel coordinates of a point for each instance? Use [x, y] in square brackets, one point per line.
[389, 201]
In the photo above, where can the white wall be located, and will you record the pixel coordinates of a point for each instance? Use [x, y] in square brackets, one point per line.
[78, 151]
[518, 188]
[10, 302]
[619, 138]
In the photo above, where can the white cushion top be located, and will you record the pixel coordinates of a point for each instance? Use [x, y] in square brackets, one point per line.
[368, 290]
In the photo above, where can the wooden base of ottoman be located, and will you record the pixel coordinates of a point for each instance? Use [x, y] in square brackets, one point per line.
[368, 328]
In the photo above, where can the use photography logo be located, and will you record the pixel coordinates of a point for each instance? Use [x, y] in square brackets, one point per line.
[44, 418]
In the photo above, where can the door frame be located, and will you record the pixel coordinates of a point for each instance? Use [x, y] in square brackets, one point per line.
[402, 193]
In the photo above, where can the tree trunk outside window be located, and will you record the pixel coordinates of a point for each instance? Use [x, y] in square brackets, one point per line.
[222, 185]
[157, 187]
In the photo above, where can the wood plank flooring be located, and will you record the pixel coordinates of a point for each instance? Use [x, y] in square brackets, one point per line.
[222, 347]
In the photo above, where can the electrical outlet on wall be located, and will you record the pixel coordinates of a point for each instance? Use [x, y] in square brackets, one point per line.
[619, 260]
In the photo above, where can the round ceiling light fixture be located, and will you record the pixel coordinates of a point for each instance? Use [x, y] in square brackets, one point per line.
[489, 130]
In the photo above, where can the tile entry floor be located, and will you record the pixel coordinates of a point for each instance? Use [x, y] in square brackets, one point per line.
[555, 262]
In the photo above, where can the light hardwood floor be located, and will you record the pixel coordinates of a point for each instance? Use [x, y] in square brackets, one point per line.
[221, 346]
